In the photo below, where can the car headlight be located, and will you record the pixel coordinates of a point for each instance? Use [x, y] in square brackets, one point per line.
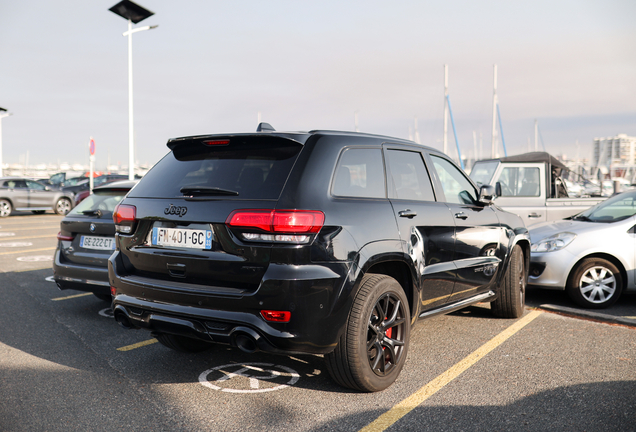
[554, 242]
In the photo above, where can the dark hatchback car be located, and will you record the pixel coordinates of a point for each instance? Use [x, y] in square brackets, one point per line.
[86, 240]
[318, 242]
[81, 188]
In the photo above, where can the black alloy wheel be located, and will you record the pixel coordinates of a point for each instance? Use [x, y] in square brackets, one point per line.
[385, 337]
[373, 348]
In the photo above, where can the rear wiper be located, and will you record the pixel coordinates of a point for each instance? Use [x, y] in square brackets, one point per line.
[92, 213]
[203, 190]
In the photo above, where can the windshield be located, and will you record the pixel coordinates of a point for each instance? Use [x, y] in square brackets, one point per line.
[616, 208]
[482, 172]
[104, 201]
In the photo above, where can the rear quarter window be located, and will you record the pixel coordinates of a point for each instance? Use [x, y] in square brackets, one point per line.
[254, 169]
[360, 174]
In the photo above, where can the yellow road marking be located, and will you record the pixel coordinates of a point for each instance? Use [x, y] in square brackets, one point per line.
[407, 405]
[137, 345]
[72, 297]
[27, 251]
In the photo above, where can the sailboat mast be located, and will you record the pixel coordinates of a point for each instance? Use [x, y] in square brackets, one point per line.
[445, 109]
[494, 116]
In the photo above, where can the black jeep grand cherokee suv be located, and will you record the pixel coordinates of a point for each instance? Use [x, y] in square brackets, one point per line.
[321, 242]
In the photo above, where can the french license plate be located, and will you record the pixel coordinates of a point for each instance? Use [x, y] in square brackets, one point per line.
[99, 243]
[187, 238]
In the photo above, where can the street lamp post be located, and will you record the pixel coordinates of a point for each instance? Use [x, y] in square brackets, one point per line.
[3, 114]
[134, 14]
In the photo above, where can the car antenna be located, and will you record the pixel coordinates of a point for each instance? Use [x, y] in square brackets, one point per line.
[265, 127]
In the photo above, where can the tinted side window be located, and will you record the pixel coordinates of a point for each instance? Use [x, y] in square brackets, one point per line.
[457, 188]
[360, 174]
[409, 177]
[35, 185]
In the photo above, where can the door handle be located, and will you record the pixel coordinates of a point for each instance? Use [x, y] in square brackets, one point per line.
[408, 213]
[461, 215]
[534, 215]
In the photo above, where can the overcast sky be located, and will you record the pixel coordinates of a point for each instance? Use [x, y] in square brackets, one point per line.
[212, 66]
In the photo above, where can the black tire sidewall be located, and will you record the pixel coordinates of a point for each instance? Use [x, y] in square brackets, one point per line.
[366, 379]
[510, 302]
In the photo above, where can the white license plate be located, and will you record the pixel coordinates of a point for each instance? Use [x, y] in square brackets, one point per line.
[188, 238]
[99, 243]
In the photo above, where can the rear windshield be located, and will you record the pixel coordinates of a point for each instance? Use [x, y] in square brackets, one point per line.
[243, 169]
[106, 201]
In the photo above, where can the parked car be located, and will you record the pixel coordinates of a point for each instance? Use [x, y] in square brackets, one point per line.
[317, 242]
[21, 194]
[60, 179]
[531, 185]
[86, 240]
[81, 188]
[590, 255]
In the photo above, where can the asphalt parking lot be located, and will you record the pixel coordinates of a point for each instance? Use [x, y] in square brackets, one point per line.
[65, 365]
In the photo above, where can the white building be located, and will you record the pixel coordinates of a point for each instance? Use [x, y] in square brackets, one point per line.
[618, 150]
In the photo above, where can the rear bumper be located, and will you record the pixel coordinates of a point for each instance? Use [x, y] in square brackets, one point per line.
[316, 295]
[80, 277]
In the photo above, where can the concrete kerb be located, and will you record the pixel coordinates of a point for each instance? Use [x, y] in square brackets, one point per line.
[596, 316]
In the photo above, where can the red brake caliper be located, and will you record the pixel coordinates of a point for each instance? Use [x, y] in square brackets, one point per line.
[388, 333]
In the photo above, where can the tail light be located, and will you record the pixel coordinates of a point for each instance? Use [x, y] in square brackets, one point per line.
[288, 226]
[276, 316]
[124, 217]
[64, 236]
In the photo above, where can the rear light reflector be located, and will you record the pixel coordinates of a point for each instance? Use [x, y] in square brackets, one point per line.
[276, 316]
[124, 217]
[113, 291]
[64, 237]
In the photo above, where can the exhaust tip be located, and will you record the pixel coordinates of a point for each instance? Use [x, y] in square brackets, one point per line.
[121, 316]
[245, 343]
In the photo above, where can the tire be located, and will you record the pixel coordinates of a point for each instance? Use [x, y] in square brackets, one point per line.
[379, 321]
[595, 283]
[104, 297]
[63, 206]
[38, 212]
[182, 343]
[512, 291]
[5, 208]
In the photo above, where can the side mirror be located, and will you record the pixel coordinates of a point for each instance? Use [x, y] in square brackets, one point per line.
[486, 195]
[498, 189]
